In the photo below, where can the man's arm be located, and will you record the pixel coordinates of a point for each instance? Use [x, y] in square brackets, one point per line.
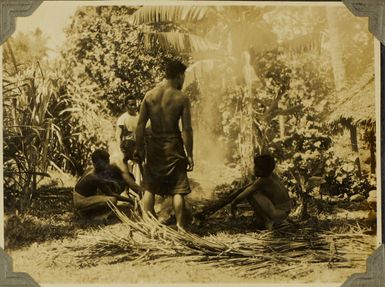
[187, 132]
[140, 130]
[128, 180]
[118, 134]
[131, 184]
[119, 130]
[123, 198]
[247, 192]
[255, 187]
[109, 186]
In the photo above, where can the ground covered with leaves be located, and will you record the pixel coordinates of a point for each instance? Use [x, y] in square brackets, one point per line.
[328, 247]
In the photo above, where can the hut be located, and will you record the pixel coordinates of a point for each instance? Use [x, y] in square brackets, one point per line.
[355, 109]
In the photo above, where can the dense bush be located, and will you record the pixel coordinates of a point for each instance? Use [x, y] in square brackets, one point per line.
[85, 126]
[103, 48]
[309, 153]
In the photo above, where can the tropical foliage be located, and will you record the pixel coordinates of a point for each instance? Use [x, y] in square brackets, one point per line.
[255, 86]
[106, 51]
[30, 133]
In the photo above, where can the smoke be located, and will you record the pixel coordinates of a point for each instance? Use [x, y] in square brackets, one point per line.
[210, 149]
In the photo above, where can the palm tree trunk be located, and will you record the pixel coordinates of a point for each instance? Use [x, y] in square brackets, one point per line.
[372, 147]
[353, 137]
[249, 77]
[354, 143]
[335, 49]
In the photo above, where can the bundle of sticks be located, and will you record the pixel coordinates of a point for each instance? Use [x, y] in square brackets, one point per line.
[213, 208]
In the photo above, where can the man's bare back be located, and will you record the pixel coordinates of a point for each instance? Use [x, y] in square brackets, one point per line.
[273, 189]
[165, 106]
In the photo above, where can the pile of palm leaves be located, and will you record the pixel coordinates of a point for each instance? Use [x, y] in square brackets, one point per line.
[264, 253]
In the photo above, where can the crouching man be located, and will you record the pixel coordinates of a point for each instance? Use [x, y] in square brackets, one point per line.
[100, 184]
[267, 195]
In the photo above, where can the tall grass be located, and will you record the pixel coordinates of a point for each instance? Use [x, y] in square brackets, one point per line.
[29, 130]
[51, 120]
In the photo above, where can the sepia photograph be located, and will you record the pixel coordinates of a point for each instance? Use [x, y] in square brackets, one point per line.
[178, 142]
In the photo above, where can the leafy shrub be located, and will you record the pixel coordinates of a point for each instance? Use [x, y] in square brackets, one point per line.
[341, 178]
[309, 152]
[85, 126]
[103, 48]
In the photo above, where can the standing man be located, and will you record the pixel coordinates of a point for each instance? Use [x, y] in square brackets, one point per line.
[125, 137]
[165, 171]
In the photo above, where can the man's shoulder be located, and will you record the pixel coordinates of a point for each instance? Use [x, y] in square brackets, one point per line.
[180, 96]
[114, 168]
[261, 182]
[154, 91]
[150, 95]
[185, 98]
[88, 174]
[276, 178]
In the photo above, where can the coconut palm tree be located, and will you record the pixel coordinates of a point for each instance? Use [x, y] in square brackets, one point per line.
[219, 40]
[215, 39]
[336, 49]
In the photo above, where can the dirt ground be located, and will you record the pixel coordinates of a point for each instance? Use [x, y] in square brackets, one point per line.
[54, 262]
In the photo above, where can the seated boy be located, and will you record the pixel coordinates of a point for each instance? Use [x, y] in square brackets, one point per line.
[267, 195]
[102, 183]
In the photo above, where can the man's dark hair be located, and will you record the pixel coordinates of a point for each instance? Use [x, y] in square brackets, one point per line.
[264, 163]
[100, 154]
[129, 100]
[174, 68]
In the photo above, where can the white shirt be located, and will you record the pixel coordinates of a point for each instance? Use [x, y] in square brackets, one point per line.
[128, 121]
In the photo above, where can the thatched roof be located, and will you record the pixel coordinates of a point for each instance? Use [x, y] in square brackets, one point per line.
[357, 104]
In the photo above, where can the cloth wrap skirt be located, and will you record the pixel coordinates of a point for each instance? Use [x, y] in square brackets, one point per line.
[165, 170]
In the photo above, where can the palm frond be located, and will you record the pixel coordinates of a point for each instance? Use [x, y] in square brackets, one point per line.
[69, 110]
[181, 42]
[309, 42]
[10, 50]
[166, 14]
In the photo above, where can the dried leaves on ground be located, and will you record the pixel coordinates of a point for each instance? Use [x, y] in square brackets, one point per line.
[261, 253]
